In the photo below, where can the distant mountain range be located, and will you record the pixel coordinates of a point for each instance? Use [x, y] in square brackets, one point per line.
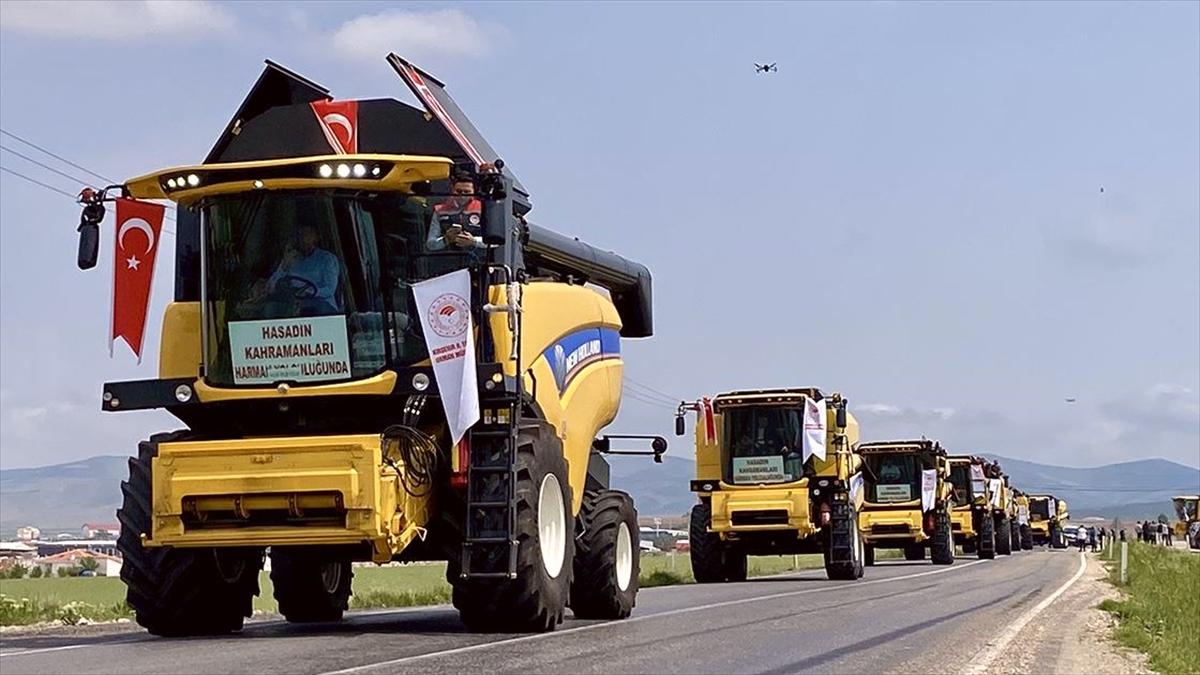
[60, 498]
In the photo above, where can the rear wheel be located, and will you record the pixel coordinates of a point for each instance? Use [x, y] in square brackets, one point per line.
[941, 549]
[987, 537]
[914, 551]
[1056, 536]
[869, 556]
[536, 598]
[1015, 535]
[736, 565]
[174, 591]
[308, 587]
[1003, 536]
[606, 557]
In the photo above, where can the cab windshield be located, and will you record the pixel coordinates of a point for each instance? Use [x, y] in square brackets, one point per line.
[315, 286]
[763, 445]
[896, 477]
[960, 478]
[1039, 509]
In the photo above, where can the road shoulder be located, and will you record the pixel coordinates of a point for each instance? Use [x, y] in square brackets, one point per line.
[1072, 635]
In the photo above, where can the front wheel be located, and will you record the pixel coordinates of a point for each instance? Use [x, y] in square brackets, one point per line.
[606, 557]
[987, 537]
[533, 601]
[869, 556]
[1026, 538]
[1003, 536]
[844, 550]
[713, 561]
[941, 549]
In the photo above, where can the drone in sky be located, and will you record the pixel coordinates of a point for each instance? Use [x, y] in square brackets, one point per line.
[1070, 399]
[768, 68]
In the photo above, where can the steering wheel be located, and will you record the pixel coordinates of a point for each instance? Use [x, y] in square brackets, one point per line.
[301, 288]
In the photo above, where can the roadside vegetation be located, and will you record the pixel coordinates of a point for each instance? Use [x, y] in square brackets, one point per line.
[1160, 613]
[75, 600]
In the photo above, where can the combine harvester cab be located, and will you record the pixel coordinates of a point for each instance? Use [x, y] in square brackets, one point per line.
[1187, 514]
[378, 359]
[1046, 521]
[777, 472]
[971, 519]
[907, 500]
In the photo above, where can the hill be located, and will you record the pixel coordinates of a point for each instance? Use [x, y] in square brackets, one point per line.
[64, 496]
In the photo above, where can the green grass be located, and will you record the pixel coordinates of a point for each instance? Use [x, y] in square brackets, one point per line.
[103, 598]
[1160, 614]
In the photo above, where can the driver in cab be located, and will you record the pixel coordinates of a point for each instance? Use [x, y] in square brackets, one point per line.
[306, 279]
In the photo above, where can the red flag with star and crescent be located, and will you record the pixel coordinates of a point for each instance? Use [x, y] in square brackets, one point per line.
[339, 122]
[139, 225]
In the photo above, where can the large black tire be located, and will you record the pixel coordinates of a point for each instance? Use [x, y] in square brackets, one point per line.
[606, 557]
[1014, 535]
[1056, 536]
[869, 555]
[310, 588]
[737, 566]
[1026, 538]
[1003, 535]
[987, 537]
[914, 551]
[844, 549]
[179, 591]
[711, 558]
[535, 600]
[941, 548]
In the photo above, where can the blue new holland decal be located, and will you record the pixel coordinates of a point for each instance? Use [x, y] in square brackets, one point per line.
[572, 353]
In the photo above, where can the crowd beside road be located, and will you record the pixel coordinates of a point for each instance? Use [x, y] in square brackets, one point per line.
[1154, 533]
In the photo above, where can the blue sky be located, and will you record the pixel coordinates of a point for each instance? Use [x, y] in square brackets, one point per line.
[909, 211]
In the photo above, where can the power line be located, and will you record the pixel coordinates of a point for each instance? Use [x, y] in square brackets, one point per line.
[47, 167]
[58, 157]
[35, 181]
[169, 216]
[651, 391]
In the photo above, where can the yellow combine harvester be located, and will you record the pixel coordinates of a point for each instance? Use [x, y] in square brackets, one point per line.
[1021, 532]
[1046, 520]
[1001, 506]
[971, 520]
[764, 490]
[1187, 510]
[296, 351]
[907, 499]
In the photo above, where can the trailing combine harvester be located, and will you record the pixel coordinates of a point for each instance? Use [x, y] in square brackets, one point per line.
[907, 499]
[1046, 516]
[1002, 505]
[1022, 534]
[377, 358]
[777, 472]
[1187, 510]
[971, 520]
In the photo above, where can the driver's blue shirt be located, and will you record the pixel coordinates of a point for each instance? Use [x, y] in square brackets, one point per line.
[319, 267]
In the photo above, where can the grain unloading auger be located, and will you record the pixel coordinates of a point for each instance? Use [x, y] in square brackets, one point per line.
[377, 358]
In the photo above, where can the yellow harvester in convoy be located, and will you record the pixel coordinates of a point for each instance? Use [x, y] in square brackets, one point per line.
[296, 351]
[1022, 534]
[1187, 510]
[907, 499]
[764, 490]
[1001, 504]
[1046, 520]
[971, 520]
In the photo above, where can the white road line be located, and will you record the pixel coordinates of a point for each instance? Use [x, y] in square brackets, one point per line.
[659, 615]
[983, 660]
[27, 652]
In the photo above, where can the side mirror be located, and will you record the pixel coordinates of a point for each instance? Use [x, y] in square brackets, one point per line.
[89, 245]
[89, 234]
[498, 206]
[841, 416]
[679, 427]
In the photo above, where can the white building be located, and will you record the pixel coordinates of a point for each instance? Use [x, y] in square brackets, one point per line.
[108, 566]
[28, 533]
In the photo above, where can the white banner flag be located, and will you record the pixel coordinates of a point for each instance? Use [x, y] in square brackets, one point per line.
[997, 485]
[444, 305]
[1022, 514]
[856, 485]
[814, 429]
[1052, 507]
[928, 488]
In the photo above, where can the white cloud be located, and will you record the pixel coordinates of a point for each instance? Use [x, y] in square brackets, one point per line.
[107, 20]
[443, 32]
[882, 409]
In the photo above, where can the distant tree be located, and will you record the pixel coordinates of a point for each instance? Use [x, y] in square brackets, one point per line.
[1162, 518]
[36, 572]
[16, 571]
[88, 563]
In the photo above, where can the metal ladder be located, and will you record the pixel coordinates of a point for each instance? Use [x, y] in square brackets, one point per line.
[489, 539]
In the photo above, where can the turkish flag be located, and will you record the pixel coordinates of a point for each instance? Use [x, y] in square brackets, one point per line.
[710, 421]
[339, 121]
[138, 227]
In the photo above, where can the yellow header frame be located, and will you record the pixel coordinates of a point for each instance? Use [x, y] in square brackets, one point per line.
[235, 177]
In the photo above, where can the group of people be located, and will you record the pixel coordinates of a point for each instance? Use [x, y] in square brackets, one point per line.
[1153, 532]
[1091, 536]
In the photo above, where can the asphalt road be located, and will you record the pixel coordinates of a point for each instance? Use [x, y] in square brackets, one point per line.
[901, 617]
